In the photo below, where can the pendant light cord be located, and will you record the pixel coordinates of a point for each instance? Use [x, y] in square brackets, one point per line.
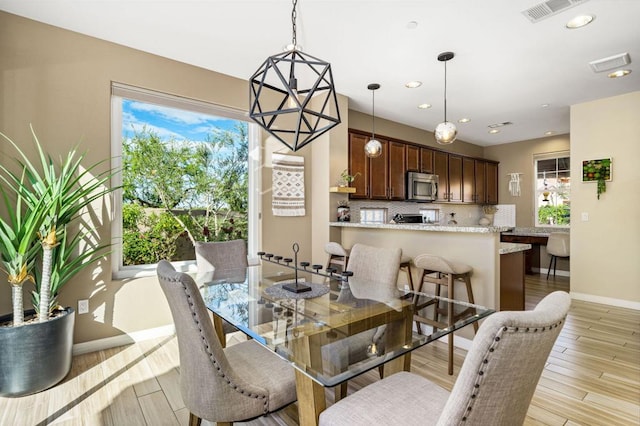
[373, 114]
[294, 17]
[445, 91]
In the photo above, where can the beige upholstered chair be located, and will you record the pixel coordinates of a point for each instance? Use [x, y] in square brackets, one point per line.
[221, 385]
[221, 256]
[557, 246]
[495, 385]
[369, 264]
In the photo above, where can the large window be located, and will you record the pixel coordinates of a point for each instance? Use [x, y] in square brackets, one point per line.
[553, 190]
[185, 177]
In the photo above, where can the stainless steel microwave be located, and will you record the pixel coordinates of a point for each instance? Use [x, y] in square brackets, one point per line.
[422, 187]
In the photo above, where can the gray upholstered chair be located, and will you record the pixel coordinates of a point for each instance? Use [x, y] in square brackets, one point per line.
[377, 266]
[494, 387]
[219, 384]
[221, 256]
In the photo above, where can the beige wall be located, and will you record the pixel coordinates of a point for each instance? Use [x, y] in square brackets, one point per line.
[606, 248]
[60, 81]
[518, 158]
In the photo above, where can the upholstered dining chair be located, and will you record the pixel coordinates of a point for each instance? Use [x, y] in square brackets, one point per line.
[379, 266]
[495, 385]
[557, 246]
[222, 385]
[221, 256]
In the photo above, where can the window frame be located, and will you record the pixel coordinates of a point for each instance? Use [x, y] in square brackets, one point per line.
[536, 192]
[121, 91]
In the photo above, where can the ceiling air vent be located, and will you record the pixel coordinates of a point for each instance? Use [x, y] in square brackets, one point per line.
[612, 62]
[549, 8]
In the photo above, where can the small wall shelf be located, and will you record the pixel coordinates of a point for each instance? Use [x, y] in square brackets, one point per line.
[342, 189]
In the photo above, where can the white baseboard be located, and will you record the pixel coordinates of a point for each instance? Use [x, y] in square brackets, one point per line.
[123, 339]
[543, 271]
[605, 300]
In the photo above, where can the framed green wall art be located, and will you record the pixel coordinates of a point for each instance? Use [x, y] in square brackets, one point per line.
[595, 170]
[598, 171]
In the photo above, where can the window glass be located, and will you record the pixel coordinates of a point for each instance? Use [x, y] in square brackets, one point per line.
[184, 178]
[553, 191]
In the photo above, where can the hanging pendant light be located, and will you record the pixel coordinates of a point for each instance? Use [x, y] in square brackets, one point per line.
[446, 131]
[292, 95]
[373, 148]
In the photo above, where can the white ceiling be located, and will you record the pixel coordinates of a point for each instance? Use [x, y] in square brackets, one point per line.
[505, 67]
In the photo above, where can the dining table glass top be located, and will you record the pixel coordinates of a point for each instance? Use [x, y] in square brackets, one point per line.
[336, 330]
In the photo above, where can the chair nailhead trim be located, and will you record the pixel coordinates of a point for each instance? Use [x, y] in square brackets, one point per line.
[491, 349]
[217, 366]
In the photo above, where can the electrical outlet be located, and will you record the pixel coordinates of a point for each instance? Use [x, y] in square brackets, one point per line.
[83, 306]
[585, 216]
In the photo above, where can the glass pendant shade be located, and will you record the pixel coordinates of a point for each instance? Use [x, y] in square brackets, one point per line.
[446, 133]
[373, 148]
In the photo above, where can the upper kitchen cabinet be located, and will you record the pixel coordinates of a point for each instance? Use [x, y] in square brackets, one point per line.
[441, 168]
[383, 178]
[359, 165]
[492, 183]
[413, 158]
[455, 178]
[480, 171]
[469, 191]
[426, 160]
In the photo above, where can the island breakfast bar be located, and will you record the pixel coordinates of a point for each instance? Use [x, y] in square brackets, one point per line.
[477, 246]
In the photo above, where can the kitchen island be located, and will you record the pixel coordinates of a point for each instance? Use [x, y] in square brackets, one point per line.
[477, 246]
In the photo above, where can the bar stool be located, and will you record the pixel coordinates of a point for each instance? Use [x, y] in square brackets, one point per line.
[338, 255]
[405, 266]
[443, 272]
[557, 246]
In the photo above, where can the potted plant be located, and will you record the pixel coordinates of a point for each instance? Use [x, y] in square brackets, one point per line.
[43, 241]
[346, 178]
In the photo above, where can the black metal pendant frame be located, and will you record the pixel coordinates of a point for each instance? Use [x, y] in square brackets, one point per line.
[274, 85]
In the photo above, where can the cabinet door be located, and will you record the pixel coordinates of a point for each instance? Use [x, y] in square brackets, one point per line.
[492, 183]
[481, 177]
[413, 158]
[426, 160]
[379, 174]
[359, 163]
[455, 178]
[468, 180]
[397, 170]
[441, 168]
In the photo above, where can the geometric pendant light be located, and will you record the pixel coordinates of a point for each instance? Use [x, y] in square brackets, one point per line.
[446, 131]
[373, 148]
[292, 95]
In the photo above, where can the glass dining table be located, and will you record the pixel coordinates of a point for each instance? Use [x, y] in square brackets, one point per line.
[332, 332]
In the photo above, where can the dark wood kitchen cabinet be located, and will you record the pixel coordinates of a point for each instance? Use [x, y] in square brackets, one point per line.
[480, 172]
[469, 193]
[426, 160]
[441, 168]
[397, 171]
[492, 183]
[359, 165]
[379, 173]
[455, 178]
[413, 158]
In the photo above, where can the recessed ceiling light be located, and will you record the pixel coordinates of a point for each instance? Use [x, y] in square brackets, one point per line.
[549, 133]
[619, 73]
[413, 84]
[545, 105]
[424, 106]
[494, 131]
[412, 25]
[464, 120]
[579, 21]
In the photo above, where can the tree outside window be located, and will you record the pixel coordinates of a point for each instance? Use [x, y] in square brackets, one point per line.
[553, 191]
[177, 190]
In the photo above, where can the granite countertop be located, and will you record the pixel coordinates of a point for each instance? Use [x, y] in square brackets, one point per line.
[534, 232]
[424, 227]
[506, 248]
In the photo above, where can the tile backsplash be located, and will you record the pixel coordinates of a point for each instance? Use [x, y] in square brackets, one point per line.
[466, 215]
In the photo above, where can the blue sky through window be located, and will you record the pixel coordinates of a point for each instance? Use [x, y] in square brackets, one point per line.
[170, 123]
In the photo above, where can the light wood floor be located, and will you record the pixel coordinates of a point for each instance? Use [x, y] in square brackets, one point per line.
[592, 377]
